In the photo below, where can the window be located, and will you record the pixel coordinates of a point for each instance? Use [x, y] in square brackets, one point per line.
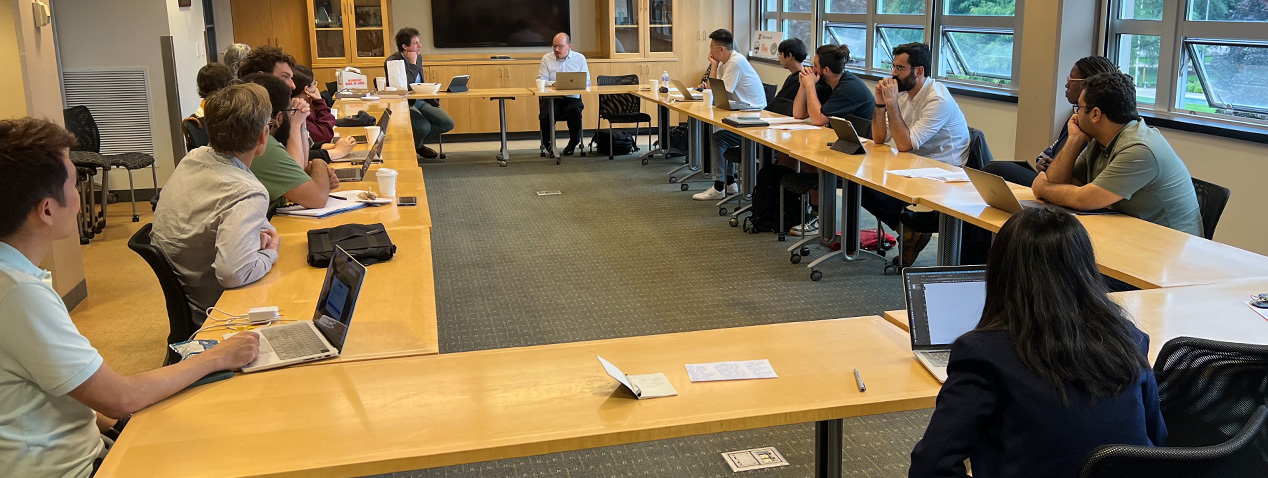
[1194, 57]
[973, 43]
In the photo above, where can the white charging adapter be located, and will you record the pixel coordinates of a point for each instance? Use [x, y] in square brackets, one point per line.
[261, 315]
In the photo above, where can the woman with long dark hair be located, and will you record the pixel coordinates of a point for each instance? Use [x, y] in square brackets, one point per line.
[1053, 369]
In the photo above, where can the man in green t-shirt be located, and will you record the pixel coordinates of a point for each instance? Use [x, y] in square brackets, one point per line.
[1112, 159]
[285, 176]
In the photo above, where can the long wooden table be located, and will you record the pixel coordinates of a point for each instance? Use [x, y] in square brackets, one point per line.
[499, 95]
[380, 416]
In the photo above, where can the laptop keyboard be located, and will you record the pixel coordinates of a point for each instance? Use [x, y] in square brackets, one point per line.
[294, 342]
[938, 358]
[348, 174]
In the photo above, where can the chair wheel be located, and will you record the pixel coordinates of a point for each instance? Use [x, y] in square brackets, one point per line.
[644, 161]
[816, 275]
[685, 186]
[782, 237]
[722, 211]
[502, 163]
[805, 251]
[794, 258]
[583, 151]
[735, 222]
[543, 154]
[557, 160]
[673, 179]
[891, 269]
[442, 156]
[136, 219]
[83, 240]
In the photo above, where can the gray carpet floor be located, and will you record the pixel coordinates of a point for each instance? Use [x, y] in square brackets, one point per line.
[621, 252]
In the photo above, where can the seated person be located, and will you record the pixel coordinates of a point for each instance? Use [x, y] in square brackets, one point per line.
[1021, 172]
[269, 60]
[1021, 398]
[426, 117]
[567, 108]
[213, 228]
[742, 84]
[57, 396]
[320, 122]
[792, 52]
[285, 175]
[919, 115]
[1112, 159]
[233, 56]
[211, 78]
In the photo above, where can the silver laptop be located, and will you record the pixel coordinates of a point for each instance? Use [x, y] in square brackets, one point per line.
[366, 158]
[570, 80]
[323, 337]
[722, 99]
[942, 304]
[686, 92]
[995, 191]
[382, 124]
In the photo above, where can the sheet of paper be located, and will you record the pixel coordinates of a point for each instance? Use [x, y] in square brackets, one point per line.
[937, 174]
[652, 385]
[1262, 312]
[794, 127]
[754, 459]
[785, 120]
[333, 206]
[738, 370]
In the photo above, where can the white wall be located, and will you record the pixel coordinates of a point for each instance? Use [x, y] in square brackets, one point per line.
[417, 14]
[224, 25]
[188, 30]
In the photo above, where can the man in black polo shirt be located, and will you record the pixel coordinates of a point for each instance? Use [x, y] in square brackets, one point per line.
[849, 96]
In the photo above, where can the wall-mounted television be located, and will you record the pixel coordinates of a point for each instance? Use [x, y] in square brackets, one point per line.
[495, 23]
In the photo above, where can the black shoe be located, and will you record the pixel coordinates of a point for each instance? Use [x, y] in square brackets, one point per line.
[569, 149]
[428, 153]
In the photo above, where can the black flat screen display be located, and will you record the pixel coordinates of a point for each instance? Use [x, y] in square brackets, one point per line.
[492, 23]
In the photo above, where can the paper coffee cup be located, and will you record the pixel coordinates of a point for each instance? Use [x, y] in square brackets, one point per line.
[541, 84]
[708, 96]
[371, 134]
[387, 181]
[655, 84]
[380, 83]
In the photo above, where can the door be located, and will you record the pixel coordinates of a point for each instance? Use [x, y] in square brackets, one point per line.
[252, 22]
[290, 33]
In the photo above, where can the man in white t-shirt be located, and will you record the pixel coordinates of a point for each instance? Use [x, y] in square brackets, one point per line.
[743, 85]
[51, 378]
[917, 115]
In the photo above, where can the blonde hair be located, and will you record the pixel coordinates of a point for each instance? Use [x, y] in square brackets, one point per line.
[236, 116]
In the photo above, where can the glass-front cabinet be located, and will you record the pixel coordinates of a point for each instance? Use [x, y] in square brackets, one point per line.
[639, 28]
[350, 32]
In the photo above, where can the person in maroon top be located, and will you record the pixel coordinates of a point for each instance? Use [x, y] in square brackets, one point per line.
[321, 123]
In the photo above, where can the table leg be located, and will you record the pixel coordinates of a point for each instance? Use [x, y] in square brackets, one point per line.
[695, 142]
[550, 144]
[662, 136]
[105, 199]
[748, 174]
[853, 201]
[502, 154]
[949, 240]
[828, 437]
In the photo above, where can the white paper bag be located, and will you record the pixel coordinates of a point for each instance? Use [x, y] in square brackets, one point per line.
[396, 75]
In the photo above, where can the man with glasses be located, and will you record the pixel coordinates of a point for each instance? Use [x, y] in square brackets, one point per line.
[285, 176]
[743, 85]
[1112, 159]
[919, 116]
[567, 108]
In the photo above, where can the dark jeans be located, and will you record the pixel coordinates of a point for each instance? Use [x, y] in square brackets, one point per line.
[1018, 172]
[885, 208]
[723, 169]
[566, 109]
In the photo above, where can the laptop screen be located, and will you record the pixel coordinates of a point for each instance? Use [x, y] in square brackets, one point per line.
[943, 302]
[338, 297]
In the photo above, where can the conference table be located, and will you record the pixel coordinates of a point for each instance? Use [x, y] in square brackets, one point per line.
[382, 416]
[496, 94]
[550, 93]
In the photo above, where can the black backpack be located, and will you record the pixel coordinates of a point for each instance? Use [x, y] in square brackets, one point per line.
[678, 140]
[620, 142]
[765, 210]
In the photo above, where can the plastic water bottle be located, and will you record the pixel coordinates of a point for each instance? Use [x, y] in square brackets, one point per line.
[664, 77]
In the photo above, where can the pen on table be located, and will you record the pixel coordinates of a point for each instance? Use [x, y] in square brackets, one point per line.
[858, 379]
[332, 196]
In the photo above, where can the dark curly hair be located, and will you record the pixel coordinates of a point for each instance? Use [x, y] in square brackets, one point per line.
[1095, 65]
[917, 55]
[212, 77]
[1114, 93]
[405, 36]
[31, 168]
[263, 59]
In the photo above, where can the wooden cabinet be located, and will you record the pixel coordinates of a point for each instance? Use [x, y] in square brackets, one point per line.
[350, 32]
[697, 19]
[637, 28]
[278, 23]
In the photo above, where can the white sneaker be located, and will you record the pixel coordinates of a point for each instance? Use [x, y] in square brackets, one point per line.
[708, 195]
[811, 227]
[733, 188]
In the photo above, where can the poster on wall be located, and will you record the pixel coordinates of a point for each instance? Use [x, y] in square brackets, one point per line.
[766, 44]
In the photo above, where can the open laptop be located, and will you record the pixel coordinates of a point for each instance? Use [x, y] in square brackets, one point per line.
[382, 124]
[458, 84]
[995, 191]
[848, 141]
[358, 174]
[685, 92]
[942, 304]
[722, 99]
[570, 80]
[323, 337]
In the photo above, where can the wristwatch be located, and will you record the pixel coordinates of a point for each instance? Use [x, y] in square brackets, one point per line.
[880, 105]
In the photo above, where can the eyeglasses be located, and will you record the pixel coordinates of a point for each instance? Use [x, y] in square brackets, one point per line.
[899, 68]
[1082, 107]
[1076, 80]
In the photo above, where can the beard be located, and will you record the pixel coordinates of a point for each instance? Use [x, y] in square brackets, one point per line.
[906, 84]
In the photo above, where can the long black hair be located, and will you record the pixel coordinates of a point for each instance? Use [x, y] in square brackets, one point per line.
[1043, 287]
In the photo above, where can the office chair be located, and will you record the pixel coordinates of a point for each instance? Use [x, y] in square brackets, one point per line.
[1208, 389]
[1244, 454]
[1211, 201]
[87, 198]
[621, 108]
[80, 122]
[180, 312]
[979, 151]
[195, 133]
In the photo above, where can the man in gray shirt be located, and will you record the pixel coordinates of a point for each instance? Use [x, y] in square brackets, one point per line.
[211, 223]
[1112, 159]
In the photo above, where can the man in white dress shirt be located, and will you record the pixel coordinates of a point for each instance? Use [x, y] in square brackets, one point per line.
[743, 85]
[567, 108]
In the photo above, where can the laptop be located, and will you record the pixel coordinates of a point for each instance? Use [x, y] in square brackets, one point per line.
[570, 80]
[723, 100]
[942, 304]
[848, 141]
[359, 174]
[323, 337]
[685, 92]
[382, 124]
[458, 84]
[995, 191]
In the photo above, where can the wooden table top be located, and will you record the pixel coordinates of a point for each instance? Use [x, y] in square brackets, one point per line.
[592, 90]
[382, 416]
[872, 170]
[474, 93]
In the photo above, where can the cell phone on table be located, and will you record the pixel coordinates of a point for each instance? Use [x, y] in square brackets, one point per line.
[407, 201]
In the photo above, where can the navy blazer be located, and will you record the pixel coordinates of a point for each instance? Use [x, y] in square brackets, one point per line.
[1010, 422]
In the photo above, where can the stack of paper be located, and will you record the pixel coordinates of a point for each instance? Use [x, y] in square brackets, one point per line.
[739, 370]
[786, 120]
[334, 205]
[794, 127]
[933, 173]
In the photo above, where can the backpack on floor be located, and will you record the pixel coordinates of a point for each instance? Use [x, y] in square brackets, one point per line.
[869, 239]
[620, 142]
[678, 140]
[765, 210]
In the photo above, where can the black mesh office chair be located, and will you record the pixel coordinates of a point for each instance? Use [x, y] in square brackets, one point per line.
[1244, 454]
[180, 312]
[979, 151]
[1209, 389]
[1211, 201]
[621, 108]
[80, 122]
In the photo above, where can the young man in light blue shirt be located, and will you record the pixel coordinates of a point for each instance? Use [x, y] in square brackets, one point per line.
[51, 379]
[567, 108]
